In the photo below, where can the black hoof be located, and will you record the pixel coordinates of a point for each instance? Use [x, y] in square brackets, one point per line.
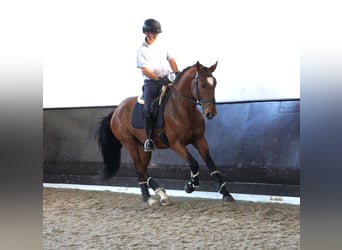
[189, 188]
[228, 198]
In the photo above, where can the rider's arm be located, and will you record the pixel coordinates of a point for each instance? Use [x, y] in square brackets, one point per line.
[150, 74]
[173, 65]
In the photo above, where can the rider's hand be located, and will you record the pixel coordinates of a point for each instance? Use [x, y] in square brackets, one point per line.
[164, 80]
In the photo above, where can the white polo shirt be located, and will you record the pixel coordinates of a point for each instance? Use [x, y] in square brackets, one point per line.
[154, 57]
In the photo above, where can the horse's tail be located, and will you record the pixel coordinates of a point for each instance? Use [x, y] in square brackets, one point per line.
[110, 148]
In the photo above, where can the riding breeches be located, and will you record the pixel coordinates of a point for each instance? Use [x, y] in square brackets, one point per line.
[151, 89]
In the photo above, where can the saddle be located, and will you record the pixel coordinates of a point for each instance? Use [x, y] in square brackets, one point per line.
[157, 108]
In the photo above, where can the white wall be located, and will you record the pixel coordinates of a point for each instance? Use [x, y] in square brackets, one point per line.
[90, 47]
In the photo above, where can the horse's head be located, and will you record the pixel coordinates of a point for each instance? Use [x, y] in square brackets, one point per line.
[204, 89]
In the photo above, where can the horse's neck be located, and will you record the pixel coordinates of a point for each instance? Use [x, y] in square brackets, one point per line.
[182, 96]
[184, 85]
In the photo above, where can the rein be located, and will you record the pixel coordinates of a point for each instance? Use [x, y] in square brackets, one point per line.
[197, 101]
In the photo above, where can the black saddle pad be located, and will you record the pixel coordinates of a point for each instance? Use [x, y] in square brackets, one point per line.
[138, 116]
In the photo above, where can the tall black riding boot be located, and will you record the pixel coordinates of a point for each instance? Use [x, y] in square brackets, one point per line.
[149, 143]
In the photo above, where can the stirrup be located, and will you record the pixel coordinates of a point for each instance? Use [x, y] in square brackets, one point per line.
[149, 145]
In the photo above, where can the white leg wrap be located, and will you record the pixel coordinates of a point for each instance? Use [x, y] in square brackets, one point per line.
[223, 184]
[152, 202]
[214, 172]
[160, 192]
[148, 180]
[195, 175]
[164, 199]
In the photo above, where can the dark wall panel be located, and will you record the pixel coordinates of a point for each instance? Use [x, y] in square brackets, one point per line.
[252, 142]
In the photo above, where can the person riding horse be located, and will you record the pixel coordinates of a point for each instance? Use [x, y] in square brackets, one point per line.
[152, 59]
[184, 124]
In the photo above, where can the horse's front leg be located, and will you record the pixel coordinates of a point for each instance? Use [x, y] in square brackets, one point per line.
[191, 185]
[219, 184]
[182, 151]
[202, 147]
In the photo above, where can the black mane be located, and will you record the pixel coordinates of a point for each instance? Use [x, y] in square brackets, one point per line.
[182, 72]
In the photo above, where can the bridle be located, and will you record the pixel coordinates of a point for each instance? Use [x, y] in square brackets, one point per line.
[198, 100]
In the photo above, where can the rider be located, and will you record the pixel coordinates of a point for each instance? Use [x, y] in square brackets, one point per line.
[154, 60]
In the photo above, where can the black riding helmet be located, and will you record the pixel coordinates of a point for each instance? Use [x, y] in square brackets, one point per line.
[151, 25]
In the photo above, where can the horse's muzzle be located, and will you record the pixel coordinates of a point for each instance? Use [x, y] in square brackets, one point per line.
[210, 114]
[209, 110]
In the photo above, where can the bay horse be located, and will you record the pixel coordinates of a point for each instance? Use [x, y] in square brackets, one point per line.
[183, 124]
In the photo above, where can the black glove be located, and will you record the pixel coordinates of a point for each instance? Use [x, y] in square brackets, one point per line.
[164, 80]
[177, 74]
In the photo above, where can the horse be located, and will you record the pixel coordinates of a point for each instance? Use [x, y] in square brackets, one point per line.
[184, 124]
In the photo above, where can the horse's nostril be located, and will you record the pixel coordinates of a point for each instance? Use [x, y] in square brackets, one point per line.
[208, 115]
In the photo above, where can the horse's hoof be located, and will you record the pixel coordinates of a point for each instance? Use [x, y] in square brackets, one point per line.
[164, 199]
[189, 188]
[228, 198]
[165, 202]
[152, 202]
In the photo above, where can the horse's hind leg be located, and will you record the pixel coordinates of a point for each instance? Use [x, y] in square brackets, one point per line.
[133, 150]
[141, 159]
[164, 198]
[148, 181]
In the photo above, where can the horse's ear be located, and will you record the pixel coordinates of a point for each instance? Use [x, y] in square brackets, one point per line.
[198, 66]
[213, 67]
